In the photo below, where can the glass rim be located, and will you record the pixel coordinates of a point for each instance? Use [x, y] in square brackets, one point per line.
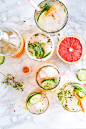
[72, 82]
[20, 37]
[58, 81]
[32, 93]
[46, 58]
[61, 27]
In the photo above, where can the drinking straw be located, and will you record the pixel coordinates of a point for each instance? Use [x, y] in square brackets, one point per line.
[63, 73]
[34, 5]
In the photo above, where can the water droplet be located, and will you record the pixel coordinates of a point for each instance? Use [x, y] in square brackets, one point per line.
[4, 18]
[21, 111]
[19, 2]
[81, 9]
[14, 119]
[28, 117]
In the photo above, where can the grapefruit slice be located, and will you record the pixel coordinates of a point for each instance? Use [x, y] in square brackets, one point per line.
[51, 10]
[70, 49]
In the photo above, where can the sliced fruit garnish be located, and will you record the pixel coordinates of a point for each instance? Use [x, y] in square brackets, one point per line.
[48, 83]
[34, 99]
[2, 59]
[42, 16]
[81, 74]
[51, 10]
[82, 102]
[70, 49]
[32, 49]
[43, 12]
[38, 48]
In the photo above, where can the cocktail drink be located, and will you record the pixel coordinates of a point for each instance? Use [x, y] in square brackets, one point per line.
[52, 17]
[37, 102]
[39, 46]
[72, 96]
[46, 76]
[11, 42]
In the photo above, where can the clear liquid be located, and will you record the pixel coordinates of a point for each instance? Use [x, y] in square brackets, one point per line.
[56, 20]
[11, 46]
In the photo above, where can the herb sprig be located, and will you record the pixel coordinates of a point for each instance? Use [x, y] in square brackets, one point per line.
[9, 80]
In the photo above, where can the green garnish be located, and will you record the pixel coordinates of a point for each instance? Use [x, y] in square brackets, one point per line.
[48, 41]
[40, 110]
[60, 3]
[39, 27]
[77, 88]
[59, 34]
[47, 55]
[64, 10]
[54, 18]
[52, 15]
[24, 21]
[46, 7]
[66, 106]
[58, 38]
[43, 43]
[10, 81]
[36, 35]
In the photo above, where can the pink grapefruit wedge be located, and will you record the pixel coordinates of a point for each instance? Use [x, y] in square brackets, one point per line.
[70, 49]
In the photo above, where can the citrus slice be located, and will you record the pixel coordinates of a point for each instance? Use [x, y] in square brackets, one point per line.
[70, 49]
[42, 16]
[82, 103]
[51, 10]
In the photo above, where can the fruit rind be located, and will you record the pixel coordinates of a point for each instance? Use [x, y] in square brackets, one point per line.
[83, 51]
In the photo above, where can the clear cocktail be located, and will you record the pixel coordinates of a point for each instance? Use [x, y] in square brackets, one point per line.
[72, 96]
[52, 17]
[46, 76]
[37, 102]
[39, 46]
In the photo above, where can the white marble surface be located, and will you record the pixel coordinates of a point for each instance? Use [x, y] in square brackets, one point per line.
[14, 12]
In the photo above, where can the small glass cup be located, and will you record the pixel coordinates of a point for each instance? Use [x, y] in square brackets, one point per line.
[11, 42]
[70, 97]
[51, 23]
[46, 76]
[41, 106]
[40, 43]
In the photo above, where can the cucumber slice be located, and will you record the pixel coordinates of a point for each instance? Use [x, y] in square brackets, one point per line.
[42, 51]
[2, 59]
[81, 74]
[48, 83]
[38, 49]
[32, 49]
[34, 98]
[46, 55]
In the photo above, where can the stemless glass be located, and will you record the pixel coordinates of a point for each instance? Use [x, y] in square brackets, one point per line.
[55, 20]
[46, 76]
[11, 42]
[40, 43]
[41, 106]
[72, 96]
